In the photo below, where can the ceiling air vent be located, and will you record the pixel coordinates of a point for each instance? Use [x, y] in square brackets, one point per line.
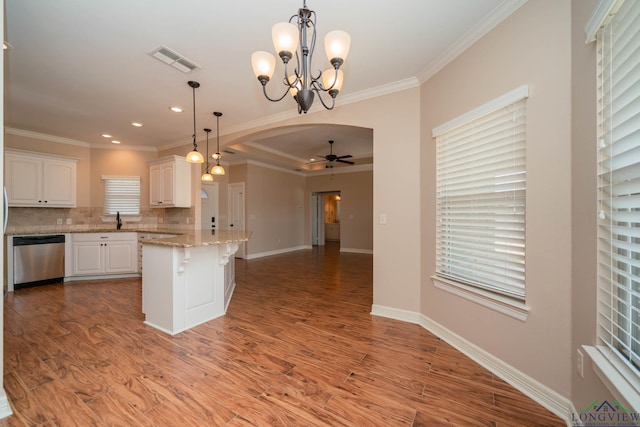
[229, 151]
[174, 59]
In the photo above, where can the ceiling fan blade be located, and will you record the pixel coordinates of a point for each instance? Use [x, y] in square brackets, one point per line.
[346, 161]
[348, 156]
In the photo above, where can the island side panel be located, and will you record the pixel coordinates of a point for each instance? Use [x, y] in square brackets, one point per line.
[229, 281]
[160, 282]
[204, 285]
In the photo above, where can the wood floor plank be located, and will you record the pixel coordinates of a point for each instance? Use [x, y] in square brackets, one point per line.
[24, 403]
[116, 411]
[75, 377]
[298, 346]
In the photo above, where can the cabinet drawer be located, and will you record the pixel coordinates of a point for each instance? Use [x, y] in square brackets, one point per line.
[96, 237]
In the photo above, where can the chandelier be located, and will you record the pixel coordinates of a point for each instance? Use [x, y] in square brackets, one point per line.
[298, 36]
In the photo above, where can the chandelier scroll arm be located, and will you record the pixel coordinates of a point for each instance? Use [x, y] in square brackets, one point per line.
[333, 99]
[266, 95]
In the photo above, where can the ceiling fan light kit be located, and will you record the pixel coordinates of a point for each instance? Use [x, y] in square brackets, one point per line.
[298, 37]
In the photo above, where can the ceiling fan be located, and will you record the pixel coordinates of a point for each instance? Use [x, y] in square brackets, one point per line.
[332, 158]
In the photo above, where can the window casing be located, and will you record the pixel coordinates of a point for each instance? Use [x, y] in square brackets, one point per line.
[121, 194]
[481, 195]
[618, 47]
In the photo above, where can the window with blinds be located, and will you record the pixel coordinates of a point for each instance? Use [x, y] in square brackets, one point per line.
[121, 194]
[618, 45]
[480, 200]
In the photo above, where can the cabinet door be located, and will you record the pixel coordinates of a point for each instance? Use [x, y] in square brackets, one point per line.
[155, 185]
[121, 257]
[88, 258]
[59, 183]
[23, 178]
[168, 181]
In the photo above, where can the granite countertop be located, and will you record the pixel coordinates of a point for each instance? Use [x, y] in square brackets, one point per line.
[68, 230]
[182, 238]
[194, 238]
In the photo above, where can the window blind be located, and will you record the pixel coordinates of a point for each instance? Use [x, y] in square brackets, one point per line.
[480, 201]
[121, 194]
[618, 45]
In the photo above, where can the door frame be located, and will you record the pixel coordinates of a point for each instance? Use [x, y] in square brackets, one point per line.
[236, 191]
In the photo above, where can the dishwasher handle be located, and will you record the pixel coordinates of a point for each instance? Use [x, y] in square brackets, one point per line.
[38, 240]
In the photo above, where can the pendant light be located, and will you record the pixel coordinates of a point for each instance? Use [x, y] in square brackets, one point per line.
[194, 156]
[217, 169]
[207, 177]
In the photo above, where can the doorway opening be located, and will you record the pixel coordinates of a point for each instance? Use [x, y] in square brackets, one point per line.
[325, 217]
[209, 205]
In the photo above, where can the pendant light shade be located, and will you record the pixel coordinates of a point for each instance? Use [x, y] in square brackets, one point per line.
[194, 156]
[217, 169]
[207, 177]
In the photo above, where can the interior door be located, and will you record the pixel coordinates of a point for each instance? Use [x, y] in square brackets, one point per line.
[209, 206]
[236, 212]
[317, 219]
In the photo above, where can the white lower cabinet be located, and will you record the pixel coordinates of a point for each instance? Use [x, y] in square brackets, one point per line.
[104, 253]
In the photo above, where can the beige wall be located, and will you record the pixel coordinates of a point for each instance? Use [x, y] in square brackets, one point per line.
[122, 163]
[274, 209]
[530, 47]
[356, 207]
[583, 220]
[395, 120]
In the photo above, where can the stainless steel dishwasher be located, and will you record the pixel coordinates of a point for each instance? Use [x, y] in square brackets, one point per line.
[38, 260]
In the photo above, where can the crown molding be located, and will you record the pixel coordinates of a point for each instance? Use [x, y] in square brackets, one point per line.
[496, 16]
[343, 169]
[307, 173]
[74, 142]
[123, 147]
[277, 168]
[45, 137]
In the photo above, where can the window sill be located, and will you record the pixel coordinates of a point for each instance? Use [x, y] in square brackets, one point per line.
[621, 380]
[123, 218]
[499, 303]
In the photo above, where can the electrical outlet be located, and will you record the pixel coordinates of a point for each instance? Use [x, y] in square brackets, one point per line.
[59, 221]
[580, 363]
[68, 221]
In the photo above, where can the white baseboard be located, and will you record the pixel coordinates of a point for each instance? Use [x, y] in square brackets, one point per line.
[551, 400]
[396, 313]
[5, 407]
[277, 252]
[357, 251]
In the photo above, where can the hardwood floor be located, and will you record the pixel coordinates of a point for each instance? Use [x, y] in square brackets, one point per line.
[297, 347]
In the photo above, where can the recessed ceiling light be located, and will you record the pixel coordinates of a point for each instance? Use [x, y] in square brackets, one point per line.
[312, 159]
[176, 109]
[106, 135]
[115, 142]
[136, 124]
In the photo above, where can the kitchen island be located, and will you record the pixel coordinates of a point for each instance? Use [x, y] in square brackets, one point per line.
[188, 279]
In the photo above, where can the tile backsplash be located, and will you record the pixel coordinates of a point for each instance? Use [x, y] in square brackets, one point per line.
[35, 220]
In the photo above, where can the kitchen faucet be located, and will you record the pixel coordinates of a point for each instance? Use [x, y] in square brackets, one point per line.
[118, 220]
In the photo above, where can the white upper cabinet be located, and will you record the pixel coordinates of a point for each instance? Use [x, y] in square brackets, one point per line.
[170, 183]
[34, 179]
